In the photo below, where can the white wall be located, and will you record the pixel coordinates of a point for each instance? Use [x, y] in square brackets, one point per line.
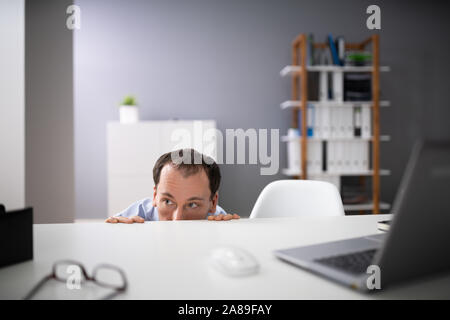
[12, 107]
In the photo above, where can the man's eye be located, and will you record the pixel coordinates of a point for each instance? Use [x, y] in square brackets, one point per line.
[193, 205]
[168, 202]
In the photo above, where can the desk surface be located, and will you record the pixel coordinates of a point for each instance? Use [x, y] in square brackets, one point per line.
[168, 260]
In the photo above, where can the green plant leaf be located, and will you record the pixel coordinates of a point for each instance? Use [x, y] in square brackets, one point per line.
[129, 101]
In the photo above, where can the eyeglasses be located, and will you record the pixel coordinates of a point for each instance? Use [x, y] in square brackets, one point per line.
[73, 274]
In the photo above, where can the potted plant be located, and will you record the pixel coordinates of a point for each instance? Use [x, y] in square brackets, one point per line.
[128, 110]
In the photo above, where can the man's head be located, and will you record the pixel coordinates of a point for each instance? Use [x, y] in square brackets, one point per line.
[186, 190]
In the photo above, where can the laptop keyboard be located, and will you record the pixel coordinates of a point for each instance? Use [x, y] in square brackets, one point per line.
[356, 262]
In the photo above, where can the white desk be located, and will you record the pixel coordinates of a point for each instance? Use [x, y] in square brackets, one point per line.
[167, 260]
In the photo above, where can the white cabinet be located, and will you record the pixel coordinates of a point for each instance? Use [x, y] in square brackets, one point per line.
[132, 150]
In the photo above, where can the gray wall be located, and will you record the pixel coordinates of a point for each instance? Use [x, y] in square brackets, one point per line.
[211, 59]
[49, 169]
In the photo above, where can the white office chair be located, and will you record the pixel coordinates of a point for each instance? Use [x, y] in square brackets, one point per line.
[295, 198]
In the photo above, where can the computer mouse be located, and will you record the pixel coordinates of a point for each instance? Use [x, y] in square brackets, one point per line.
[233, 261]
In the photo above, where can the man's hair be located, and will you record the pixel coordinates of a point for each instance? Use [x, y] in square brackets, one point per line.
[193, 162]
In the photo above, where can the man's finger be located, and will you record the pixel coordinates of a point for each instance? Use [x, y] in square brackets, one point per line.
[210, 218]
[138, 219]
[228, 217]
[219, 217]
[124, 220]
[111, 220]
[235, 216]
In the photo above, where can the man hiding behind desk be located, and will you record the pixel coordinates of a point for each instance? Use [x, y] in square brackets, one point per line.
[184, 190]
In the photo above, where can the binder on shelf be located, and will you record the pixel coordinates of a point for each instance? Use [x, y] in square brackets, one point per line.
[339, 156]
[366, 122]
[354, 165]
[314, 158]
[349, 122]
[333, 122]
[319, 157]
[334, 53]
[293, 150]
[324, 57]
[341, 122]
[318, 122]
[338, 86]
[310, 157]
[347, 156]
[310, 119]
[323, 86]
[360, 151]
[331, 167]
[357, 121]
[365, 155]
[358, 155]
[344, 156]
[314, 161]
[338, 119]
[340, 46]
[325, 122]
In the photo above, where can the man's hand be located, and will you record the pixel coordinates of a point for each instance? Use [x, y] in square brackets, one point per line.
[129, 220]
[225, 217]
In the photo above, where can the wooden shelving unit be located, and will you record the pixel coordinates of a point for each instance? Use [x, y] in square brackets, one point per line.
[298, 71]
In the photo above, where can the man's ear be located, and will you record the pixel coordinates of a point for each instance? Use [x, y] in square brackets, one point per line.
[154, 197]
[215, 200]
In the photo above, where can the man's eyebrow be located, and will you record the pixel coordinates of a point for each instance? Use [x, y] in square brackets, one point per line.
[167, 194]
[196, 198]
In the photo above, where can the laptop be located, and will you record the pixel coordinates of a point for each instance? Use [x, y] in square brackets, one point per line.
[418, 240]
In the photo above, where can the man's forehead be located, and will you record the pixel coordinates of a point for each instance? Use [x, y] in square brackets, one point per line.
[171, 171]
[174, 182]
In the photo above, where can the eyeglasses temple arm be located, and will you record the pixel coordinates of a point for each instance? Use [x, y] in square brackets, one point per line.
[37, 287]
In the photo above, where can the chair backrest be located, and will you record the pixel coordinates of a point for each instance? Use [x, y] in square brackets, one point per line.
[296, 198]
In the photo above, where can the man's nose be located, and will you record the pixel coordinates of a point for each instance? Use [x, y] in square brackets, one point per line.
[178, 214]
